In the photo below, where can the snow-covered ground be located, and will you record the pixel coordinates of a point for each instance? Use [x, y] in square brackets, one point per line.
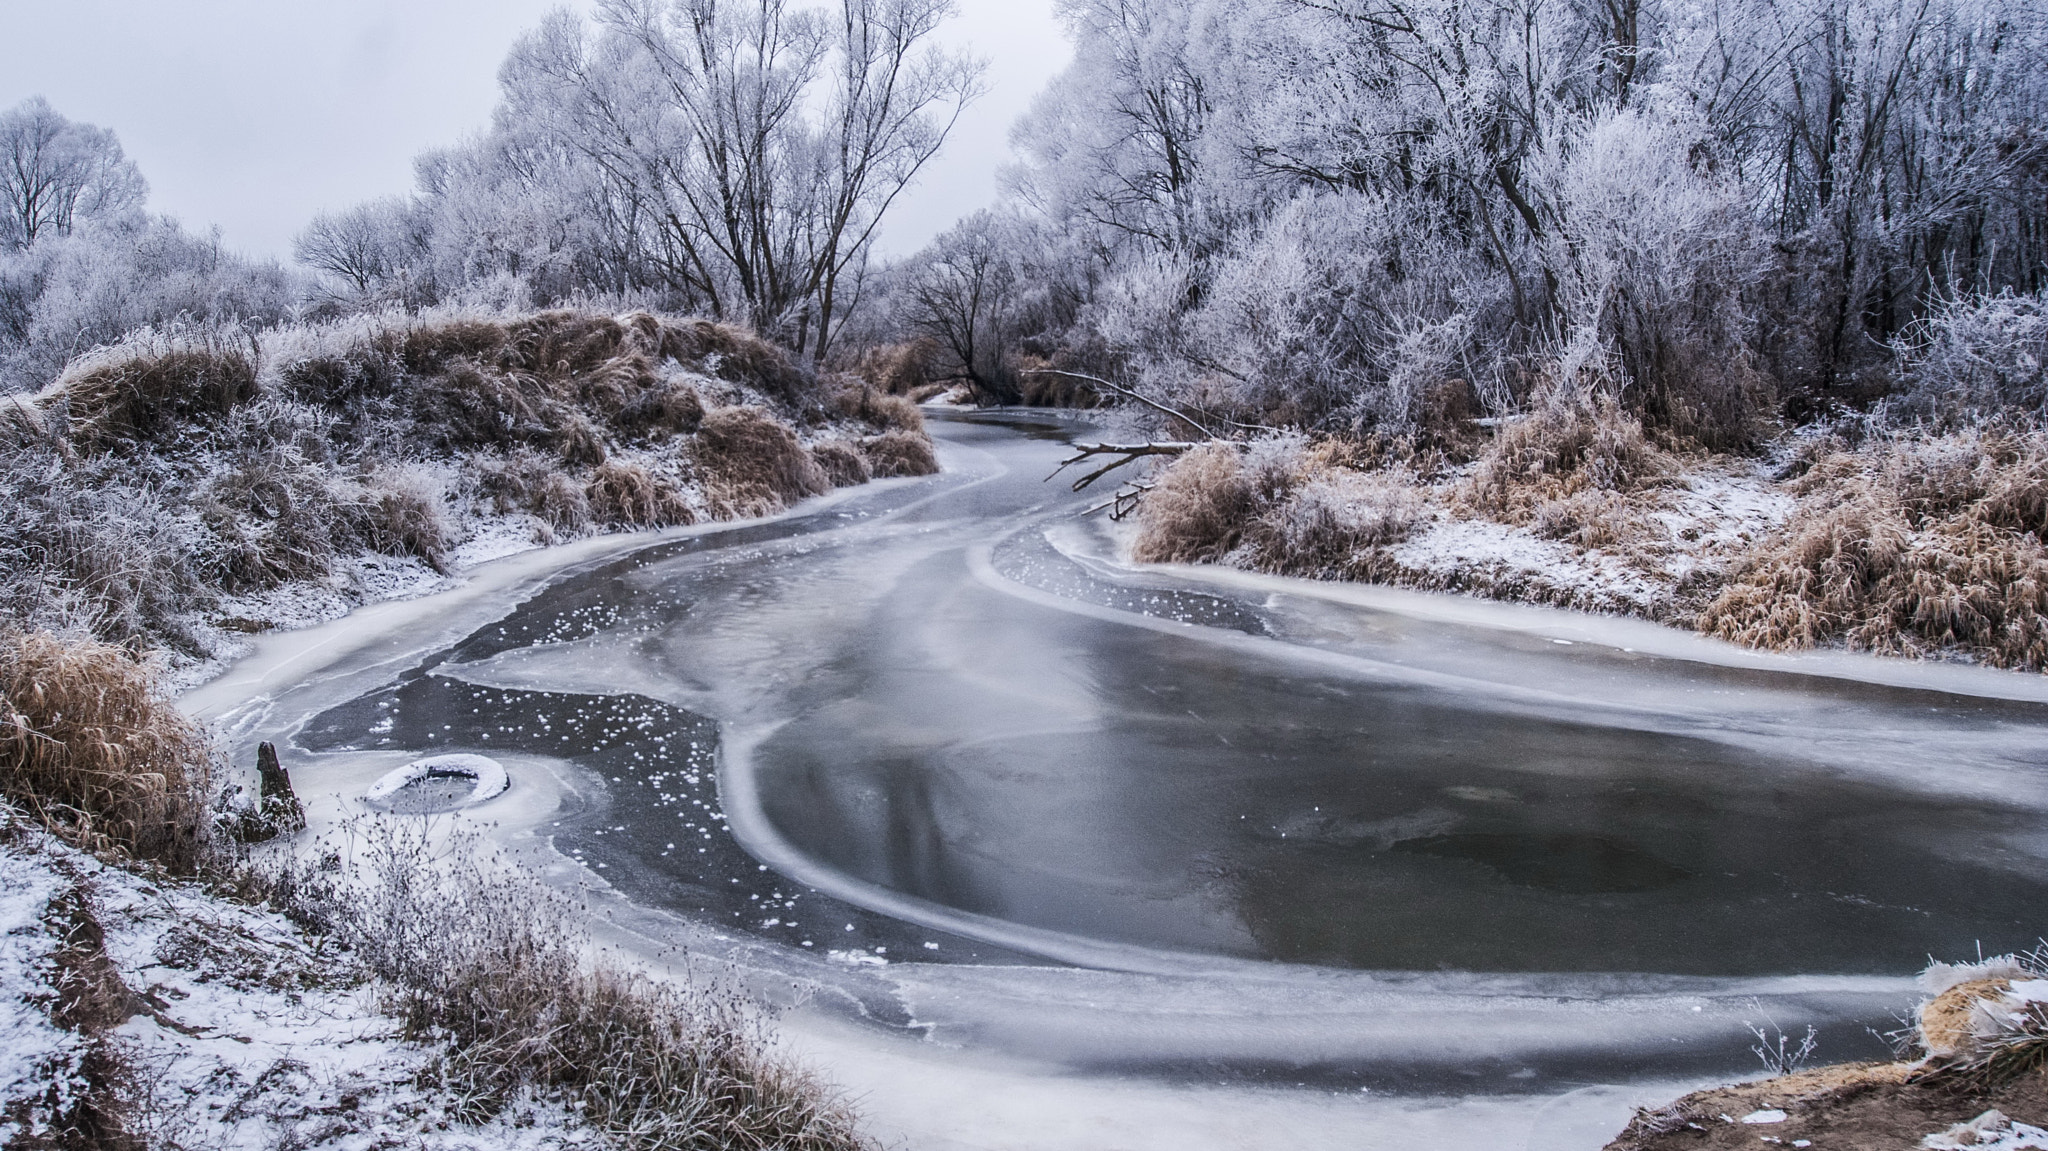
[245, 1033]
[1699, 523]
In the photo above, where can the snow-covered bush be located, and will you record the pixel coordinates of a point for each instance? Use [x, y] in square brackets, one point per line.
[1651, 253]
[490, 966]
[1979, 356]
[69, 294]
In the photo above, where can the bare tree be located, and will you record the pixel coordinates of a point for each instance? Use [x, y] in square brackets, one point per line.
[756, 143]
[960, 291]
[54, 172]
[365, 246]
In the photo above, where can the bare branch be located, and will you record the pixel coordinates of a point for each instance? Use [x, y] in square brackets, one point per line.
[1125, 453]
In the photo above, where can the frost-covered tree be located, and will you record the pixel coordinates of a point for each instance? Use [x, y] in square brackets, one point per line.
[1306, 207]
[55, 173]
[751, 147]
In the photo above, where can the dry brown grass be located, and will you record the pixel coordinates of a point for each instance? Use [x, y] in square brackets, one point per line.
[1560, 450]
[1913, 546]
[402, 514]
[894, 454]
[879, 410]
[672, 409]
[90, 750]
[1334, 523]
[753, 465]
[734, 353]
[1287, 507]
[1199, 509]
[842, 463]
[900, 369]
[630, 495]
[151, 387]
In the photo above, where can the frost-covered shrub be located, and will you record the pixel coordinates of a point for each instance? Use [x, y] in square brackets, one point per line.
[84, 550]
[1651, 254]
[1350, 305]
[98, 284]
[1979, 356]
[492, 969]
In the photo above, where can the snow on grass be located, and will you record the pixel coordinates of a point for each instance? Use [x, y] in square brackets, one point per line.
[249, 1036]
[31, 1049]
[1487, 556]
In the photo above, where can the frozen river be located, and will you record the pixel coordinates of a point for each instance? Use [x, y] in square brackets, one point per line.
[930, 752]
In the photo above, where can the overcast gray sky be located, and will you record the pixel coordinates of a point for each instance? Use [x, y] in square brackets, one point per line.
[255, 114]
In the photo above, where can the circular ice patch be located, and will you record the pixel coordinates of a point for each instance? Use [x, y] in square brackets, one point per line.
[439, 783]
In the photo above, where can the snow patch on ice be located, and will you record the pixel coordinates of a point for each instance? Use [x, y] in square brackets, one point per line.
[489, 774]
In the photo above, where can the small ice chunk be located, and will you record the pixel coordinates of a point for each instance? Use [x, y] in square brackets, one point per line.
[490, 776]
[1768, 1115]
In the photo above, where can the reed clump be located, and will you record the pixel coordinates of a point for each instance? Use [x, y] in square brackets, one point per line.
[151, 385]
[632, 495]
[1198, 510]
[1913, 545]
[92, 752]
[754, 465]
[1560, 451]
[879, 409]
[842, 463]
[899, 453]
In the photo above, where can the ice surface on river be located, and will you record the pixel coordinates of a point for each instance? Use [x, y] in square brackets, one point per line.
[1307, 834]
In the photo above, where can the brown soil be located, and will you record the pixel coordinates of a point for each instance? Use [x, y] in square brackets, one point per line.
[1859, 1106]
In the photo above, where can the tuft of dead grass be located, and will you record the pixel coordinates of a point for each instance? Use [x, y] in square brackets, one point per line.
[152, 385]
[893, 454]
[1560, 450]
[1334, 524]
[1914, 545]
[92, 752]
[672, 409]
[734, 353]
[631, 495]
[1199, 509]
[879, 410]
[900, 369]
[754, 465]
[842, 463]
